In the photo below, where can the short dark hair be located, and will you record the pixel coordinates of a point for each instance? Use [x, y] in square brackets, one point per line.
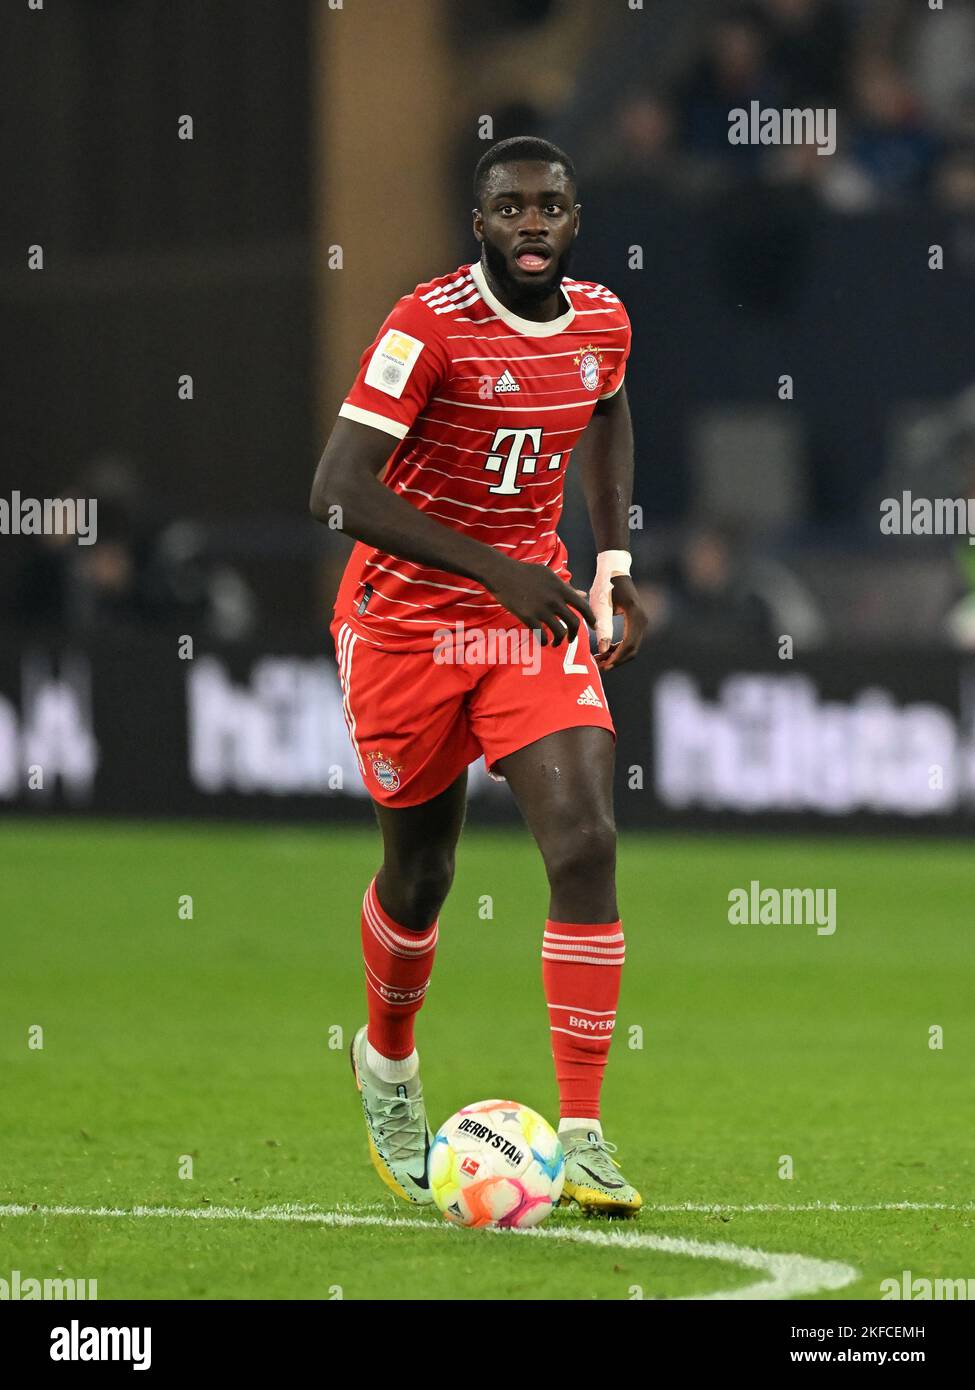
[519, 147]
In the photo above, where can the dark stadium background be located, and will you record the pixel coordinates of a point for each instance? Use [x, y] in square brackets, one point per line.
[351, 132]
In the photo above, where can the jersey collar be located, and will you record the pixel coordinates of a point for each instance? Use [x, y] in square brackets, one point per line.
[529, 327]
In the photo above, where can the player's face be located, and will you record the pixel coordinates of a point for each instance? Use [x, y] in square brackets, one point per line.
[527, 222]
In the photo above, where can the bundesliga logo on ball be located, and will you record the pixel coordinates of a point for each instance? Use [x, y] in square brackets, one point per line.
[497, 1163]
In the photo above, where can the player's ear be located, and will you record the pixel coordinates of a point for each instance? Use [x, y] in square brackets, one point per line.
[478, 223]
[577, 216]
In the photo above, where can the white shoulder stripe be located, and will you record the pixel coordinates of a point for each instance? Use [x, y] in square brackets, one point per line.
[461, 304]
[444, 297]
[445, 289]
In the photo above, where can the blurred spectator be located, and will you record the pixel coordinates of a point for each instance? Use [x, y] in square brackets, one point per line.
[955, 451]
[954, 183]
[644, 141]
[959, 623]
[702, 593]
[135, 577]
[188, 582]
[733, 70]
[72, 586]
[837, 181]
[890, 144]
[713, 590]
[941, 58]
[914, 82]
[809, 48]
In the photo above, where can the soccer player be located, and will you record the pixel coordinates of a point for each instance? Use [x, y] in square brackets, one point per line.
[459, 634]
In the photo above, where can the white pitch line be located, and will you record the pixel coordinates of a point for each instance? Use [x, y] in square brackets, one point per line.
[788, 1275]
[718, 1207]
[706, 1208]
[302, 1210]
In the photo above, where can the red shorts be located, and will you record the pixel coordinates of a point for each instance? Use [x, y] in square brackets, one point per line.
[417, 721]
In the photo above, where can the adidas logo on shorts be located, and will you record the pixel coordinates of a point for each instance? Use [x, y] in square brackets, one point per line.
[589, 697]
[506, 382]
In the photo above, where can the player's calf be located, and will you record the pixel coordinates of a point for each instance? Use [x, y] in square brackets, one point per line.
[414, 889]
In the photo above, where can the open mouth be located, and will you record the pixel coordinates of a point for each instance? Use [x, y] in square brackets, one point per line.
[533, 258]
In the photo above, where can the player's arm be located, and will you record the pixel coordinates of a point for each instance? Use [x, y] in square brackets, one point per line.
[348, 478]
[606, 464]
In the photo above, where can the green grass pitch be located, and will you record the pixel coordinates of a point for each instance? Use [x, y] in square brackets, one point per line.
[225, 1038]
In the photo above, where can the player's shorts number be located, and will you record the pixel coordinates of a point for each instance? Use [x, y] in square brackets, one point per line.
[570, 666]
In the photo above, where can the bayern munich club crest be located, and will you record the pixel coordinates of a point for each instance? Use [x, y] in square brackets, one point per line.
[385, 771]
[589, 359]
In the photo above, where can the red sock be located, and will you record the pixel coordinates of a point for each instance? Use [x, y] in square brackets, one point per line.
[581, 967]
[398, 963]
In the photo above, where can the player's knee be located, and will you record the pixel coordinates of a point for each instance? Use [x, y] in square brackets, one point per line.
[424, 885]
[582, 853]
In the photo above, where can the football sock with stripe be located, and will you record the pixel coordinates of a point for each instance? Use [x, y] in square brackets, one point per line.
[582, 963]
[398, 964]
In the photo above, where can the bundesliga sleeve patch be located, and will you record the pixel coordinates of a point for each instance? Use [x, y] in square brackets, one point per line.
[392, 361]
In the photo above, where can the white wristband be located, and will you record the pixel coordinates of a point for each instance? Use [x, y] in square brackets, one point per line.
[608, 564]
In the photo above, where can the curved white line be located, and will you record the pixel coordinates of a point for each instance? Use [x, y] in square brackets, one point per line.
[787, 1275]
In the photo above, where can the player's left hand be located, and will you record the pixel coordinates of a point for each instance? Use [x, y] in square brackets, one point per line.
[626, 600]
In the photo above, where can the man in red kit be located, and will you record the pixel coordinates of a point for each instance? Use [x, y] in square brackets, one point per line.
[459, 634]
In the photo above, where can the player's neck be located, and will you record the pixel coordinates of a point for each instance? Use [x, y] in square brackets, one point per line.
[536, 311]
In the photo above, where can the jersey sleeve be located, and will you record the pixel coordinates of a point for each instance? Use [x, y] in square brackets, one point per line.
[614, 378]
[399, 371]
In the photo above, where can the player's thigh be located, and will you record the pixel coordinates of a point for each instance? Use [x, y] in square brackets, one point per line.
[544, 724]
[424, 833]
[563, 784]
[407, 719]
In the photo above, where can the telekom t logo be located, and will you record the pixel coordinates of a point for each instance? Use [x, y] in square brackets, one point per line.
[517, 457]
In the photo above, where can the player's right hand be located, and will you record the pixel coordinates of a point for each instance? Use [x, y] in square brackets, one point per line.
[537, 596]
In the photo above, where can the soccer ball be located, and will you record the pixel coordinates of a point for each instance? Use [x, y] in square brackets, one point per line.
[496, 1163]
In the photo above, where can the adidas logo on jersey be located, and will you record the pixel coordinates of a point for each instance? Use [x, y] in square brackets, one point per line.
[506, 382]
[589, 697]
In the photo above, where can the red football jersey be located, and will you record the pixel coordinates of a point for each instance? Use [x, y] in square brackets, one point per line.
[487, 408]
